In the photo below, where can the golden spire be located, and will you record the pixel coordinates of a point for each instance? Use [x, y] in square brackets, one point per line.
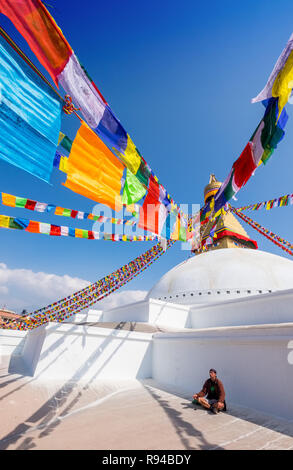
[228, 232]
[212, 187]
[213, 179]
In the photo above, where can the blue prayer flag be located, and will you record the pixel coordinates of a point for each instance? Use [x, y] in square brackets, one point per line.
[30, 116]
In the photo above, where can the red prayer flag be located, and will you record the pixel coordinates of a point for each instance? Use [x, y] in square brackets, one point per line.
[149, 213]
[55, 230]
[244, 166]
[30, 204]
[42, 34]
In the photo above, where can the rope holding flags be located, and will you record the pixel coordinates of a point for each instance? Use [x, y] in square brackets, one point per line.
[280, 242]
[25, 203]
[282, 201]
[32, 226]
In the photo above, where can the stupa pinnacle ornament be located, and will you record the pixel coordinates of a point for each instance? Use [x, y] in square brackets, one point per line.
[211, 189]
[227, 232]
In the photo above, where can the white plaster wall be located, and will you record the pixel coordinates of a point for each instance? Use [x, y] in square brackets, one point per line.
[151, 311]
[90, 315]
[136, 312]
[10, 341]
[255, 364]
[276, 307]
[168, 314]
[79, 353]
[24, 360]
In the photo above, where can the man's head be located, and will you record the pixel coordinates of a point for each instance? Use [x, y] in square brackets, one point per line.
[213, 374]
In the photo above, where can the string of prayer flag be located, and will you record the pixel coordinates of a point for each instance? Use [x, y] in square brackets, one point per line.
[86, 297]
[33, 226]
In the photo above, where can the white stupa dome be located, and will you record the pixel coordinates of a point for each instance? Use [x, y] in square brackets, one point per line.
[224, 273]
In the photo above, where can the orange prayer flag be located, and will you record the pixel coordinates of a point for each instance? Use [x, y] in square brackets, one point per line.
[78, 233]
[93, 170]
[33, 227]
[8, 200]
[59, 210]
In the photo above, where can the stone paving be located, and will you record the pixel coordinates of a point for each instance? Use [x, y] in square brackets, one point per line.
[125, 415]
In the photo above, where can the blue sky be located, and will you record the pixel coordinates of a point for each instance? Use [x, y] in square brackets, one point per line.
[180, 77]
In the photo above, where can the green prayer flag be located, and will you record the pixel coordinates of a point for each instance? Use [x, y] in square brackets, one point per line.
[182, 233]
[66, 212]
[20, 201]
[66, 143]
[229, 190]
[133, 190]
[271, 134]
[14, 224]
[266, 155]
[143, 174]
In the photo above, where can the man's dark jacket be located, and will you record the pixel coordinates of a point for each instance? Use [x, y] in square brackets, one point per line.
[218, 393]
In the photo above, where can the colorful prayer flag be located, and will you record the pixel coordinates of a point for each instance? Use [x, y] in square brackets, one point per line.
[149, 214]
[279, 84]
[40, 31]
[30, 116]
[93, 170]
[133, 190]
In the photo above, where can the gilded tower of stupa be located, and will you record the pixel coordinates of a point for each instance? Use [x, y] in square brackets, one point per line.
[228, 232]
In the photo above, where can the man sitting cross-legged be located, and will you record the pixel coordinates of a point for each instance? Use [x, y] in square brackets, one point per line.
[214, 391]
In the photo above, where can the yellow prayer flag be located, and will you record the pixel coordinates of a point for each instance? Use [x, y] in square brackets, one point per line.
[8, 200]
[4, 221]
[59, 210]
[78, 233]
[129, 157]
[61, 137]
[282, 86]
[63, 164]
[132, 158]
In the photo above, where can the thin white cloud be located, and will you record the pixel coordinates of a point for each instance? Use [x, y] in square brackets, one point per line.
[25, 289]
